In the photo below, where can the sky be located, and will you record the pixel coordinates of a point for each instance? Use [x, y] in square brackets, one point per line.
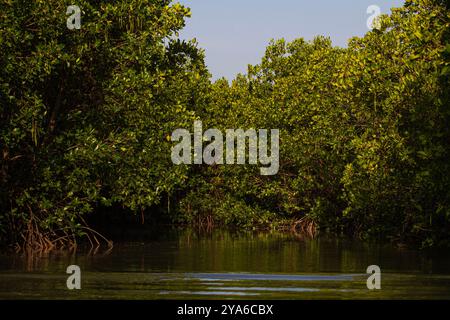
[235, 33]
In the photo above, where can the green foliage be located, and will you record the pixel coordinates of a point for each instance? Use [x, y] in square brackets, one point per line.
[86, 117]
[86, 113]
[364, 130]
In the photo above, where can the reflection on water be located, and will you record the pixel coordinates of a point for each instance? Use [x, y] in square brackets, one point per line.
[220, 264]
[265, 276]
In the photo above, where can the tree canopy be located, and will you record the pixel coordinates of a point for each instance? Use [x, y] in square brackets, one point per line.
[86, 117]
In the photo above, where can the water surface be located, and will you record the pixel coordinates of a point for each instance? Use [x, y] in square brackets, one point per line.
[230, 265]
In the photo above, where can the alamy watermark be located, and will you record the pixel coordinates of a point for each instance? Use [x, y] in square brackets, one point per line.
[74, 20]
[374, 280]
[235, 147]
[373, 21]
[74, 280]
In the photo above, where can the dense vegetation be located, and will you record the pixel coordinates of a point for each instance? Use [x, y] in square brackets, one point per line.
[86, 117]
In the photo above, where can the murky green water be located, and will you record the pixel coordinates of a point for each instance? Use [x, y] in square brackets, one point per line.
[228, 265]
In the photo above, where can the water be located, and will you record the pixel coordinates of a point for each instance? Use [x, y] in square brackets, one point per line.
[229, 265]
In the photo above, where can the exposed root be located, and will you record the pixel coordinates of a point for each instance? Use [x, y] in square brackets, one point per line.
[36, 241]
[305, 226]
[33, 239]
[205, 222]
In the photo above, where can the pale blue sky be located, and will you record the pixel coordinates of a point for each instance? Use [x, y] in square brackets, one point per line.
[235, 33]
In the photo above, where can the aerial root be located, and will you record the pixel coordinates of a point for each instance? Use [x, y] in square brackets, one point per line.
[34, 240]
[305, 226]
